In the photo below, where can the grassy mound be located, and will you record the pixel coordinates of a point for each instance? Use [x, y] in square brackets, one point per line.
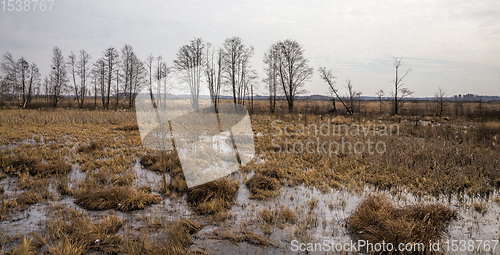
[75, 233]
[122, 198]
[212, 197]
[34, 165]
[376, 219]
[166, 162]
[262, 186]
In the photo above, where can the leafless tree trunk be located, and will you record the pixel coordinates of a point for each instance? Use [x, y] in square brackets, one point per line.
[149, 68]
[352, 94]
[111, 59]
[213, 72]
[380, 96]
[34, 81]
[83, 66]
[329, 78]
[400, 92]
[23, 68]
[271, 70]
[73, 70]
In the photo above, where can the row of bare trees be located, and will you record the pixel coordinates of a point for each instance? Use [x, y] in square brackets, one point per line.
[120, 74]
[227, 67]
[110, 76]
[399, 94]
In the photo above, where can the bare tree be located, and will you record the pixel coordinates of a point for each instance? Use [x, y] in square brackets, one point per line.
[84, 69]
[73, 69]
[440, 100]
[190, 64]
[99, 71]
[111, 58]
[58, 75]
[47, 86]
[380, 96]
[23, 71]
[95, 80]
[329, 78]
[149, 69]
[162, 75]
[293, 70]
[33, 82]
[352, 94]
[400, 92]
[271, 70]
[213, 71]
[237, 67]
[137, 78]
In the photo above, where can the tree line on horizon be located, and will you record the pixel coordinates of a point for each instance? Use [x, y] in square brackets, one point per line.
[119, 74]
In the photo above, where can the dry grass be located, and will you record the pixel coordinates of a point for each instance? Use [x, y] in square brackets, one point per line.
[376, 219]
[72, 231]
[26, 247]
[212, 197]
[27, 198]
[124, 198]
[262, 186]
[34, 165]
[161, 162]
[178, 238]
[243, 236]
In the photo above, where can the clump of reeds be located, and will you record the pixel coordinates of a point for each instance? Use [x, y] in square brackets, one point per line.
[161, 162]
[212, 197]
[27, 198]
[26, 247]
[262, 186]
[95, 145]
[376, 219]
[73, 232]
[34, 165]
[122, 198]
[177, 181]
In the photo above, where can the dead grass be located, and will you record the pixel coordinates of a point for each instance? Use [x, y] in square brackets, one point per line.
[123, 198]
[161, 162]
[243, 236]
[26, 247]
[27, 198]
[212, 197]
[376, 219]
[73, 231]
[178, 238]
[93, 146]
[33, 165]
[262, 186]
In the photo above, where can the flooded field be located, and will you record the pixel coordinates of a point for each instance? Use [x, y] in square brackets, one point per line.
[90, 186]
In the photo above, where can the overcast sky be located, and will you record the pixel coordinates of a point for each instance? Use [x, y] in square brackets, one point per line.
[452, 44]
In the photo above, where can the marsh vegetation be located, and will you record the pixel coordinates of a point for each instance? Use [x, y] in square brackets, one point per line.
[76, 181]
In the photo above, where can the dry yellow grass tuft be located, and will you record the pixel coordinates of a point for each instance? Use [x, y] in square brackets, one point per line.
[73, 231]
[376, 219]
[123, 198]
[262, 187]
[212, 197]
